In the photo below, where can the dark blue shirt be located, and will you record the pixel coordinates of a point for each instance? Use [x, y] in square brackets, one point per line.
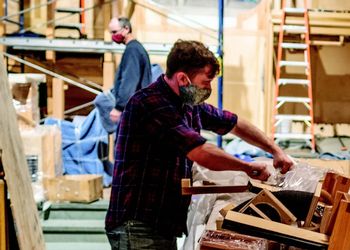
[134, 72]
[156, 133]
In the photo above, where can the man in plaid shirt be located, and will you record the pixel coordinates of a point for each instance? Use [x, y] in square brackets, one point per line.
[157, 142]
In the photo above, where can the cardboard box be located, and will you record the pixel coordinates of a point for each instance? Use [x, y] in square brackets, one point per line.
[77, 188]
[340, 166]
[25, 92]
[44, 143]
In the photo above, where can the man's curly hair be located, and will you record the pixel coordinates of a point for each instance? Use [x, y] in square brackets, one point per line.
[190, 57]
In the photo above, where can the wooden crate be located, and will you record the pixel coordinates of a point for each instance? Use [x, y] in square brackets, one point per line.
[45, 143]
[77, 188]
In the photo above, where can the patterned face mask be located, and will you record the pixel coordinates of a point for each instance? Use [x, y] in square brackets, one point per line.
[193, 95]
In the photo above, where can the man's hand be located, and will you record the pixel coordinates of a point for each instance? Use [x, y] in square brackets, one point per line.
[282, 161]
[258, 170]
[114, 115]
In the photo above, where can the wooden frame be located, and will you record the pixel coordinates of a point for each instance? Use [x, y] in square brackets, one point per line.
[266, 197]
[279, 232]
[332, 192]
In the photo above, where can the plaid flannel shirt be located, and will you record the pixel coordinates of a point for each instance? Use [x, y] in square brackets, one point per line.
[155, 134]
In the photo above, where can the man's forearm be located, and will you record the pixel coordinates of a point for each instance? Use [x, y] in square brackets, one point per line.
[216, 159]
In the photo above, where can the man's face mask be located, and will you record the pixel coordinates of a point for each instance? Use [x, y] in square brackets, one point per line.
[118, 38]
[192, 94]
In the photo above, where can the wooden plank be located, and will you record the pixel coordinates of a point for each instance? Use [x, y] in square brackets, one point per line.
[58, 98]
[2, 24]
[50, 29]
[3, 220]
[187, 189]
[107, 15]
[341, 232]
[24, 210]
[279, 232]
[313, 205]
[264, 185]
[325, 219]
[27, 20]
[108, 75]
[342, 184]
[259, 212]
[268, 77]
[223, 211]
[252, 186]
[111, 148]
[108, 64]
[334, 214]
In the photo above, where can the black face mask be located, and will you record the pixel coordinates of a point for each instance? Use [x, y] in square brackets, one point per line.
[193, 95]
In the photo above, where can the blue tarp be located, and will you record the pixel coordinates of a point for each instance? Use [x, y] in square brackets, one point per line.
[84, 146]
[244, 150]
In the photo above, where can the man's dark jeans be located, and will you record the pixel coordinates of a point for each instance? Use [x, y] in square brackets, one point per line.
[135, 235]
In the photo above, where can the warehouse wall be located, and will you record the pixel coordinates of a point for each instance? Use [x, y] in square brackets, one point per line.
[331, 78]
[244, 48]
[244, 53]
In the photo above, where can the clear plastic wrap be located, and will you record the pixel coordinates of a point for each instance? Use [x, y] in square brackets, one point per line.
[43, 151]
[302, 177]
[229, 240]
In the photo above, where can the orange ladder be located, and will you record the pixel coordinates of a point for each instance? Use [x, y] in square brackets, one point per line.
[302, 43]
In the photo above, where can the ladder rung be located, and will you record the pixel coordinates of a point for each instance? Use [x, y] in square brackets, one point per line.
[294, 10]
[283, 81]
[293, 136]
[69, 10]
[69, 25]
[293, 117]
[294, 28]
[293, 63]
[294, 45]
[293, 99]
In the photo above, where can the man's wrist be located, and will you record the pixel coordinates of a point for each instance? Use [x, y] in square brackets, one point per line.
[248, 168]
[276, 150]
